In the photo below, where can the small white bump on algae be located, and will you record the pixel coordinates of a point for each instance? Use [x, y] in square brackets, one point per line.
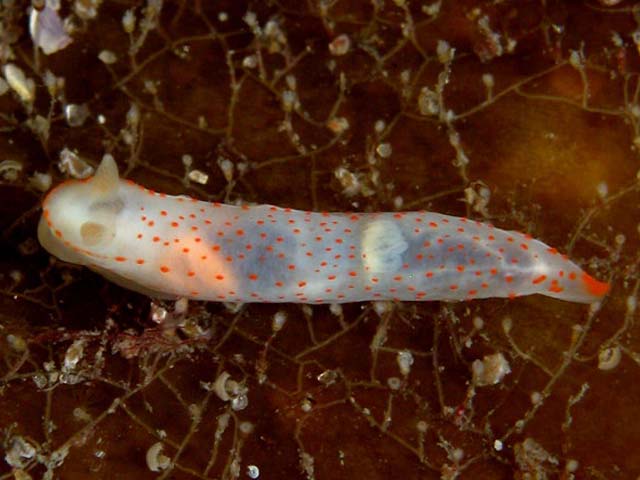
[405, 361]
[24, 87]
[490, 370]
[340, 45]
[73, 165]
[107, 57]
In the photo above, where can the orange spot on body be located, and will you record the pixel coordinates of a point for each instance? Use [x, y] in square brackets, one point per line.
[539, 279]
[593, 286]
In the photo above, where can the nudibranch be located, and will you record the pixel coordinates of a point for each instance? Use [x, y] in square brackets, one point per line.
[175, 246]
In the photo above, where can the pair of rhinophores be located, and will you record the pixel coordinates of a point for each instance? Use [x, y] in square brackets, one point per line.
[175, 246]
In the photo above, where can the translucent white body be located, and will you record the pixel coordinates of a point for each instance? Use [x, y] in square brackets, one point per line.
[168, 246]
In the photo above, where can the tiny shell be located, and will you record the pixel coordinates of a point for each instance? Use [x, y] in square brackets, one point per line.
[220, 386]
[47, 30]
[156, 461]
[609, 358]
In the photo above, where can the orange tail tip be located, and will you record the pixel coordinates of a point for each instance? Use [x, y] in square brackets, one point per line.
[594, 287]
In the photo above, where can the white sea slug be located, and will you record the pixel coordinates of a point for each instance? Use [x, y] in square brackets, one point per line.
[172, 246]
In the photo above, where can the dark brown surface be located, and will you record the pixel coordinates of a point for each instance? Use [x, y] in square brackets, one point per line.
[551, 136]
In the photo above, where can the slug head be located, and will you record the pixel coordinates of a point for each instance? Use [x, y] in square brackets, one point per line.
[79, 216]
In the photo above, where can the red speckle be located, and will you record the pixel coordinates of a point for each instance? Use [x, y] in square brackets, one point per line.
[460, 268]
[140, 261]
[352, 274]
[219, 277]
[291, 267]
[572, 276]
[508, 279]
[185, 250]
[302, 284]
[555, 288]
[593, 286]
[433, 224]
[524, 246]
[164, 269]
[175, 224]
[191, 274]
[163, 213]
[331, 277]
[453, 287]
[239, 232]
[139, 236]
[120, 259]
[156, 239]
[428, 274]
[539, 279]
[253, 277]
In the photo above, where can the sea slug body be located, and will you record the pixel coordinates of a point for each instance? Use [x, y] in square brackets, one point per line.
[175, 246]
